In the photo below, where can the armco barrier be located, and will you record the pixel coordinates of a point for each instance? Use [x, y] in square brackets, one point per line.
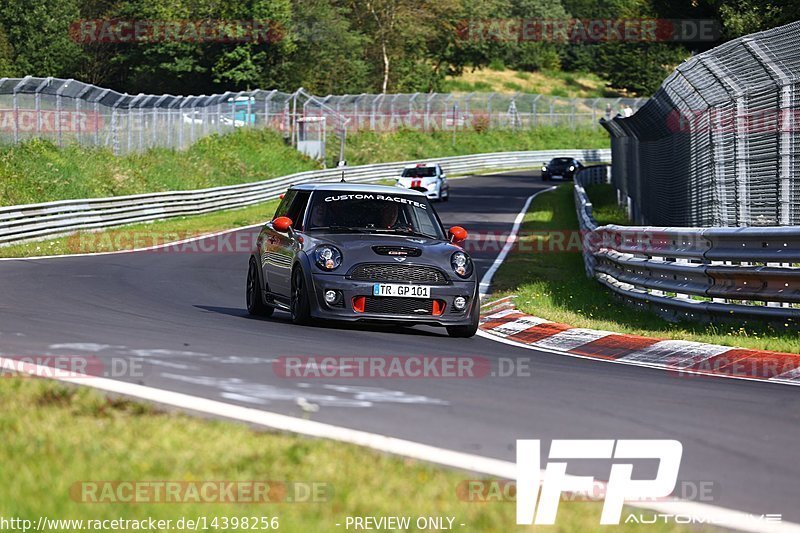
[22, 222]
[693, 273]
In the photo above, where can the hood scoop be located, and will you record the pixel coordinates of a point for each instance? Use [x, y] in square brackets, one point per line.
[397, 251]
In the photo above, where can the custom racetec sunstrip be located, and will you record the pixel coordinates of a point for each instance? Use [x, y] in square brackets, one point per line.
[351, 252]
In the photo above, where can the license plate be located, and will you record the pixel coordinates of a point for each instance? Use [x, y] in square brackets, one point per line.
[558, 177]
[404, 291]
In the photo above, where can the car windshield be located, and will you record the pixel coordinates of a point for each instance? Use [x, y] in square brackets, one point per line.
[373, 213]
[560, 162]
[419, 172]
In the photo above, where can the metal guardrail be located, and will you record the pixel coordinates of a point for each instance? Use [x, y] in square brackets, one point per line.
[692, 273]
[24, 222]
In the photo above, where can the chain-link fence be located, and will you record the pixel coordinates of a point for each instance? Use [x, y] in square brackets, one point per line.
[718, 144]
[68, 111]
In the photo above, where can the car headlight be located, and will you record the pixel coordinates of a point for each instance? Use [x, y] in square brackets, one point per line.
[572, 167]
[544, 169]
[462, 264]
[328, 257]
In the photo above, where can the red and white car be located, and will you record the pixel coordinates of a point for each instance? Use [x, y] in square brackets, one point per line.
[427, 178]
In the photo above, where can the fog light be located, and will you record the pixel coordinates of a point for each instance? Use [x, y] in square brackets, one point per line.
[459, 302]
[331, 297]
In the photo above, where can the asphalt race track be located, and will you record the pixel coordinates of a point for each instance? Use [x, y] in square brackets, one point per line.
[183, 315]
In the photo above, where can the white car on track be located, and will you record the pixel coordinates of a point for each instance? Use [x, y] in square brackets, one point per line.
[427, 178]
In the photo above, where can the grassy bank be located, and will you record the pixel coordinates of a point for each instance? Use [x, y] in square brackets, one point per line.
[58, 436]
[371, 147]
[547, 82]
[553, 284]
[38, 171]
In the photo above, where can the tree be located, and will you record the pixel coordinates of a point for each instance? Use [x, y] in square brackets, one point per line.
[38, 30]
[397, 28]
[330, 54]
[6, 56]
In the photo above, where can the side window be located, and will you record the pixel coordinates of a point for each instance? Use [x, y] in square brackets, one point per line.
[283, 207]
[297, 210]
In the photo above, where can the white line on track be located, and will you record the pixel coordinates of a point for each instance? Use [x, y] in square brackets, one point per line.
[486, 280]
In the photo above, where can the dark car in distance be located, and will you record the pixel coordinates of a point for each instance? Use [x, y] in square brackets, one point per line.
[353, 252]
[561, 168]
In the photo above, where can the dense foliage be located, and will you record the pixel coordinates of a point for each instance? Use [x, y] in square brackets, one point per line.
[348, 46]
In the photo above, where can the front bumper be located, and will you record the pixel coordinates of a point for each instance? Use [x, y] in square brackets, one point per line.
[351, 289]
[432, 193]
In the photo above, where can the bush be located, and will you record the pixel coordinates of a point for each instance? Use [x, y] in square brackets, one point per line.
[481, 123]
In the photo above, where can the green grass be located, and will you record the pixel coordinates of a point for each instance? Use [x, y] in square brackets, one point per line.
[553, 285]
[371, 147]
[605, 208]
[38, 171]
[55, 436]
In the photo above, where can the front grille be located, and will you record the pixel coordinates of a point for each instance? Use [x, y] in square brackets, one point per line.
[391, 305]
[399, 273]
[397, 251]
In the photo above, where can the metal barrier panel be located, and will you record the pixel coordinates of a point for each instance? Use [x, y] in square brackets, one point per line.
[717, 145]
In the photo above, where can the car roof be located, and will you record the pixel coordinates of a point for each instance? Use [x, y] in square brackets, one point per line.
[355, 187]
[420, 165]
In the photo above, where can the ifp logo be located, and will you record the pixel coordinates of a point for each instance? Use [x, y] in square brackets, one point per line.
[620, 488]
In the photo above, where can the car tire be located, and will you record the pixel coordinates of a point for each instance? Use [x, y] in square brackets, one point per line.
[254, 298]
[299, 302]
[446, 198]
[545, 178]
[465, 332]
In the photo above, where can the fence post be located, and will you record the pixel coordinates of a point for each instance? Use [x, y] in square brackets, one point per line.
[266, 106]
[785, 101]
[78, 99]
[96, 108]
[15, 107]
[38, 104]
[114, 128]
[58, 110]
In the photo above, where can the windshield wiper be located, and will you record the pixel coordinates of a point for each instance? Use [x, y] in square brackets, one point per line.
[406, 232]
[338, 228]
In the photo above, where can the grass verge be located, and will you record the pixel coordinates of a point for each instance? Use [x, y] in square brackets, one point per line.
[552, 284]
[58, 436]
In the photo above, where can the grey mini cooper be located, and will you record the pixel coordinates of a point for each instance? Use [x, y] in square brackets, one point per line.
[351, 252]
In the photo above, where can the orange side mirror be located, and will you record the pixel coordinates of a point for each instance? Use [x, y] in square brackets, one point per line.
[458, 235]
[282, 224]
